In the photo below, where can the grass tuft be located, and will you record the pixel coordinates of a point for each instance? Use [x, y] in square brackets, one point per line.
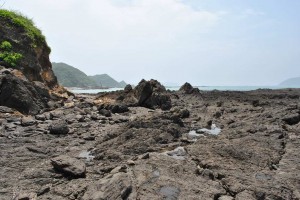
[18, 19]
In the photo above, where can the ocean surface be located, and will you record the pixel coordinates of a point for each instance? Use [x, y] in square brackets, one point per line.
[206, 88]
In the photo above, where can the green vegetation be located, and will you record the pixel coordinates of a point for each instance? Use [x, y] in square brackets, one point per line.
[69, 76]
[17, 19]
[8, 56]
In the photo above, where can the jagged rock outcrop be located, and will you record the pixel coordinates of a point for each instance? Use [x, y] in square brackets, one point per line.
[26, 82]
[187, 88]
[23, 40]
[151, 94]
[21, 94]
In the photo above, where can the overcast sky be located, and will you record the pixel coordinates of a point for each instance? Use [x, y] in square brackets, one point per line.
[204, 42]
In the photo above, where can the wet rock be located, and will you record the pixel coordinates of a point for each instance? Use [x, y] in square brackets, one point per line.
[28, 121]
[69, 166]
[292, 119]
[59, 127]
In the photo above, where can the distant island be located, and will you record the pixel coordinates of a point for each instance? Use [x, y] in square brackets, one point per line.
[69, 76]
[292, 82]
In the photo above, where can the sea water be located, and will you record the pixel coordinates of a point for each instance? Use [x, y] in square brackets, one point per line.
[175, 88]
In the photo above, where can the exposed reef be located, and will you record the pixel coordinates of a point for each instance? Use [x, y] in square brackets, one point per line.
[74, 150]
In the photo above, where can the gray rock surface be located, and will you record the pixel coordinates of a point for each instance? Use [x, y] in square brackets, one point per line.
[59, 127]
[69, 166]
[255, 156]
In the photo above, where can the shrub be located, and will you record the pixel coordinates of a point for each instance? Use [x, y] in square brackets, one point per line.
[8, 56]
[17, 19]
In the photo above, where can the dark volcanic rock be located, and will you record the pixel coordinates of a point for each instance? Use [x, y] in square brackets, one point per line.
[114, 108]
[59, 127]
[187, 88]
[128, 88]
[20, 94]
[105, 112]
[151, 94]
[69, 166]
[292, 119]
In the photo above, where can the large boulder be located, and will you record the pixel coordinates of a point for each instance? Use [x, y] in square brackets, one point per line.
[59, 127]
[69, 166]
[21, 94]
[151, 94]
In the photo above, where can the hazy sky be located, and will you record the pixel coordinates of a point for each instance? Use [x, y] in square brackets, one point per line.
[204, 42]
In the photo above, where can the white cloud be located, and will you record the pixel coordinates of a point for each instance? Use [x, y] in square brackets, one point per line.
[101, 33]
[164, 39]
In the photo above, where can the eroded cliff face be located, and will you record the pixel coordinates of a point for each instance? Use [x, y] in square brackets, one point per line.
[28, 43]
[27, 82]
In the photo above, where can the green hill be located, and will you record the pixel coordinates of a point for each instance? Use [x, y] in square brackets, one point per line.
[292, 82]
[105, 80]
[69, 76]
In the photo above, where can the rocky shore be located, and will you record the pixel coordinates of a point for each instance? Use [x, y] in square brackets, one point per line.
[149, 143]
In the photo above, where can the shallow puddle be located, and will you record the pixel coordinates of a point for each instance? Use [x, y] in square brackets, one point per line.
[87, 155]
[179, 153]
[214, 130]
[169, 192]
[193, 135]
